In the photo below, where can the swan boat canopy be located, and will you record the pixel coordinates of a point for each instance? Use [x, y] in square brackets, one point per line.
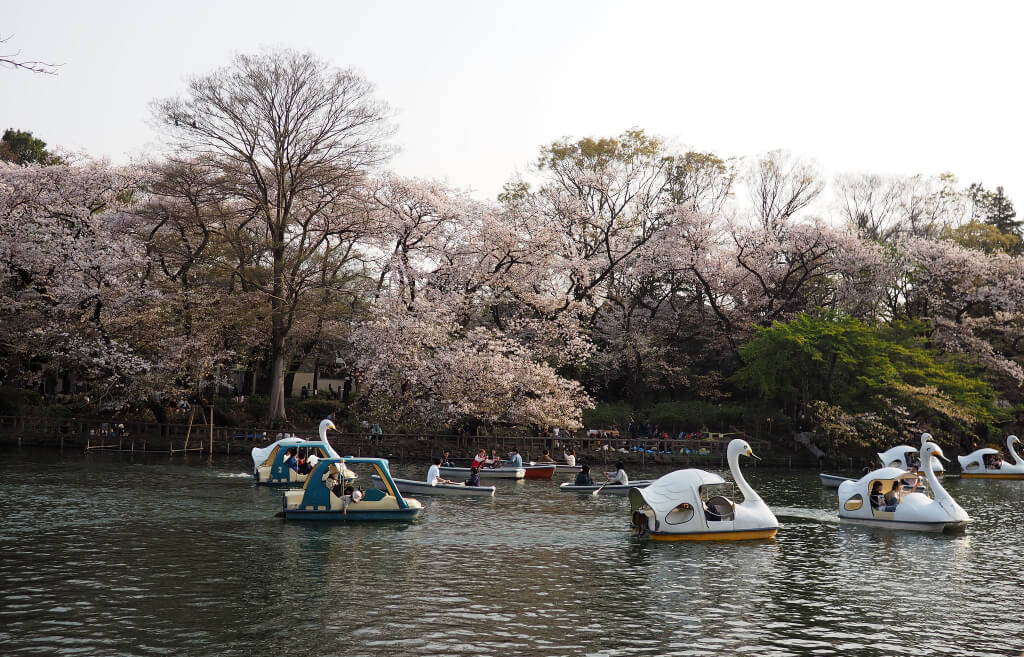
[685, 506]
[982, 464]
[411, 486]
[315, 501]
[883, 499]
[905, 457]
[269, 465]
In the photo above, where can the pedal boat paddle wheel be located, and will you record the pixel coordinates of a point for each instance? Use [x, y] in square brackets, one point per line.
[914, 509]
[268, 463]
[674, 508]
[315, 501]
[905, 456]
[978, 464]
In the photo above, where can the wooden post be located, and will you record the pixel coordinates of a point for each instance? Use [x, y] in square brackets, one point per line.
[188, 433]
[211, 428]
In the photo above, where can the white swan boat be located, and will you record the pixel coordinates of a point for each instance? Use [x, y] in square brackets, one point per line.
[862, 502]
[684, 506]
[411, 486]
[905, 457]
[269, 465]
[976, 466]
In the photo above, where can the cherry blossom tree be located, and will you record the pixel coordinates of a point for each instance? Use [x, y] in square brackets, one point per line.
[71, 269]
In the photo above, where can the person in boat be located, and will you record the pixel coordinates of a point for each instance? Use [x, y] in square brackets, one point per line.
[352, 495]
[493, 461]
[446, 460]
[333, 480]
[913, 481]
[302, 465]
[877, 498]
[546, 458]
[514, 460]
[434, 474]
[474, 477]
[312, 460]
[289, 459]
[619, 477]
[570, 456]
[479, 459]
[892, 498]
[583, 478]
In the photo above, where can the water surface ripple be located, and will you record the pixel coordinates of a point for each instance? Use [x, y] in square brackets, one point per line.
[108, 554]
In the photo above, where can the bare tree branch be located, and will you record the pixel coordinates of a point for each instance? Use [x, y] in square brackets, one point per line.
[12, 60]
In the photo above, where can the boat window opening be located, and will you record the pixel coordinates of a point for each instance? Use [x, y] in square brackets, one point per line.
[681, 514]
[384, 482]
[854, 502]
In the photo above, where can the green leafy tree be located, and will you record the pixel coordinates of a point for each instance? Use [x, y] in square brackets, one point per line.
[20, 147]
[994, 208]
[886, 371]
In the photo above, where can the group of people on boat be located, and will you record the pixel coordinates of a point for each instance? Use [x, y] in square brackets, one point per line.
[301, 462]
[341, 487]
[993, 461]
[889, 500]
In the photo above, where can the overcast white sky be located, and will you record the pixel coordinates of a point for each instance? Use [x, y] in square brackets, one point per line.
[478, 87]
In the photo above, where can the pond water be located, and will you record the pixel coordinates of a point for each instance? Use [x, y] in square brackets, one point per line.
[119, 554]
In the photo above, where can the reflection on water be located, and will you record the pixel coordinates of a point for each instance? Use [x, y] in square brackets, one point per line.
[152, 555]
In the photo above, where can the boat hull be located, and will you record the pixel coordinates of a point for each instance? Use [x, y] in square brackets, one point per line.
[568, 469]
[994, 475]
[485, 473]
[616, 489]
[736, 535]
[905, 525]
[459, 490]
[372, 515]
[832, 481]
[539, 471]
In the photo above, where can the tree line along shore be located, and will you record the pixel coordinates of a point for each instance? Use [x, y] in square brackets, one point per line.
[620, 281]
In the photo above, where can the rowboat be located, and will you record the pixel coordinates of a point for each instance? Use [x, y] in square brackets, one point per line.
[485, 473]
[538, 471]
[607, 489]
[832, 481]
[980, 463]
[315, 501]
[879, 499]
[686, 505]
[563, 468]
[414, 487]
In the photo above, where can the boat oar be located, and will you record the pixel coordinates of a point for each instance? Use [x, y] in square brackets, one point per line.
[599, 489]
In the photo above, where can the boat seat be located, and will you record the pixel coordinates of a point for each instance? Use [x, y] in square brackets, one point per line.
[718, 508]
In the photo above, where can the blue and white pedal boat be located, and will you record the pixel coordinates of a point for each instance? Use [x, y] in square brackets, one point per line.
[315, 501]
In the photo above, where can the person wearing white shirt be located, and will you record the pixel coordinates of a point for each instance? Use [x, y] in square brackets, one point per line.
[434, 474]
[619, 476]
[570, 457]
